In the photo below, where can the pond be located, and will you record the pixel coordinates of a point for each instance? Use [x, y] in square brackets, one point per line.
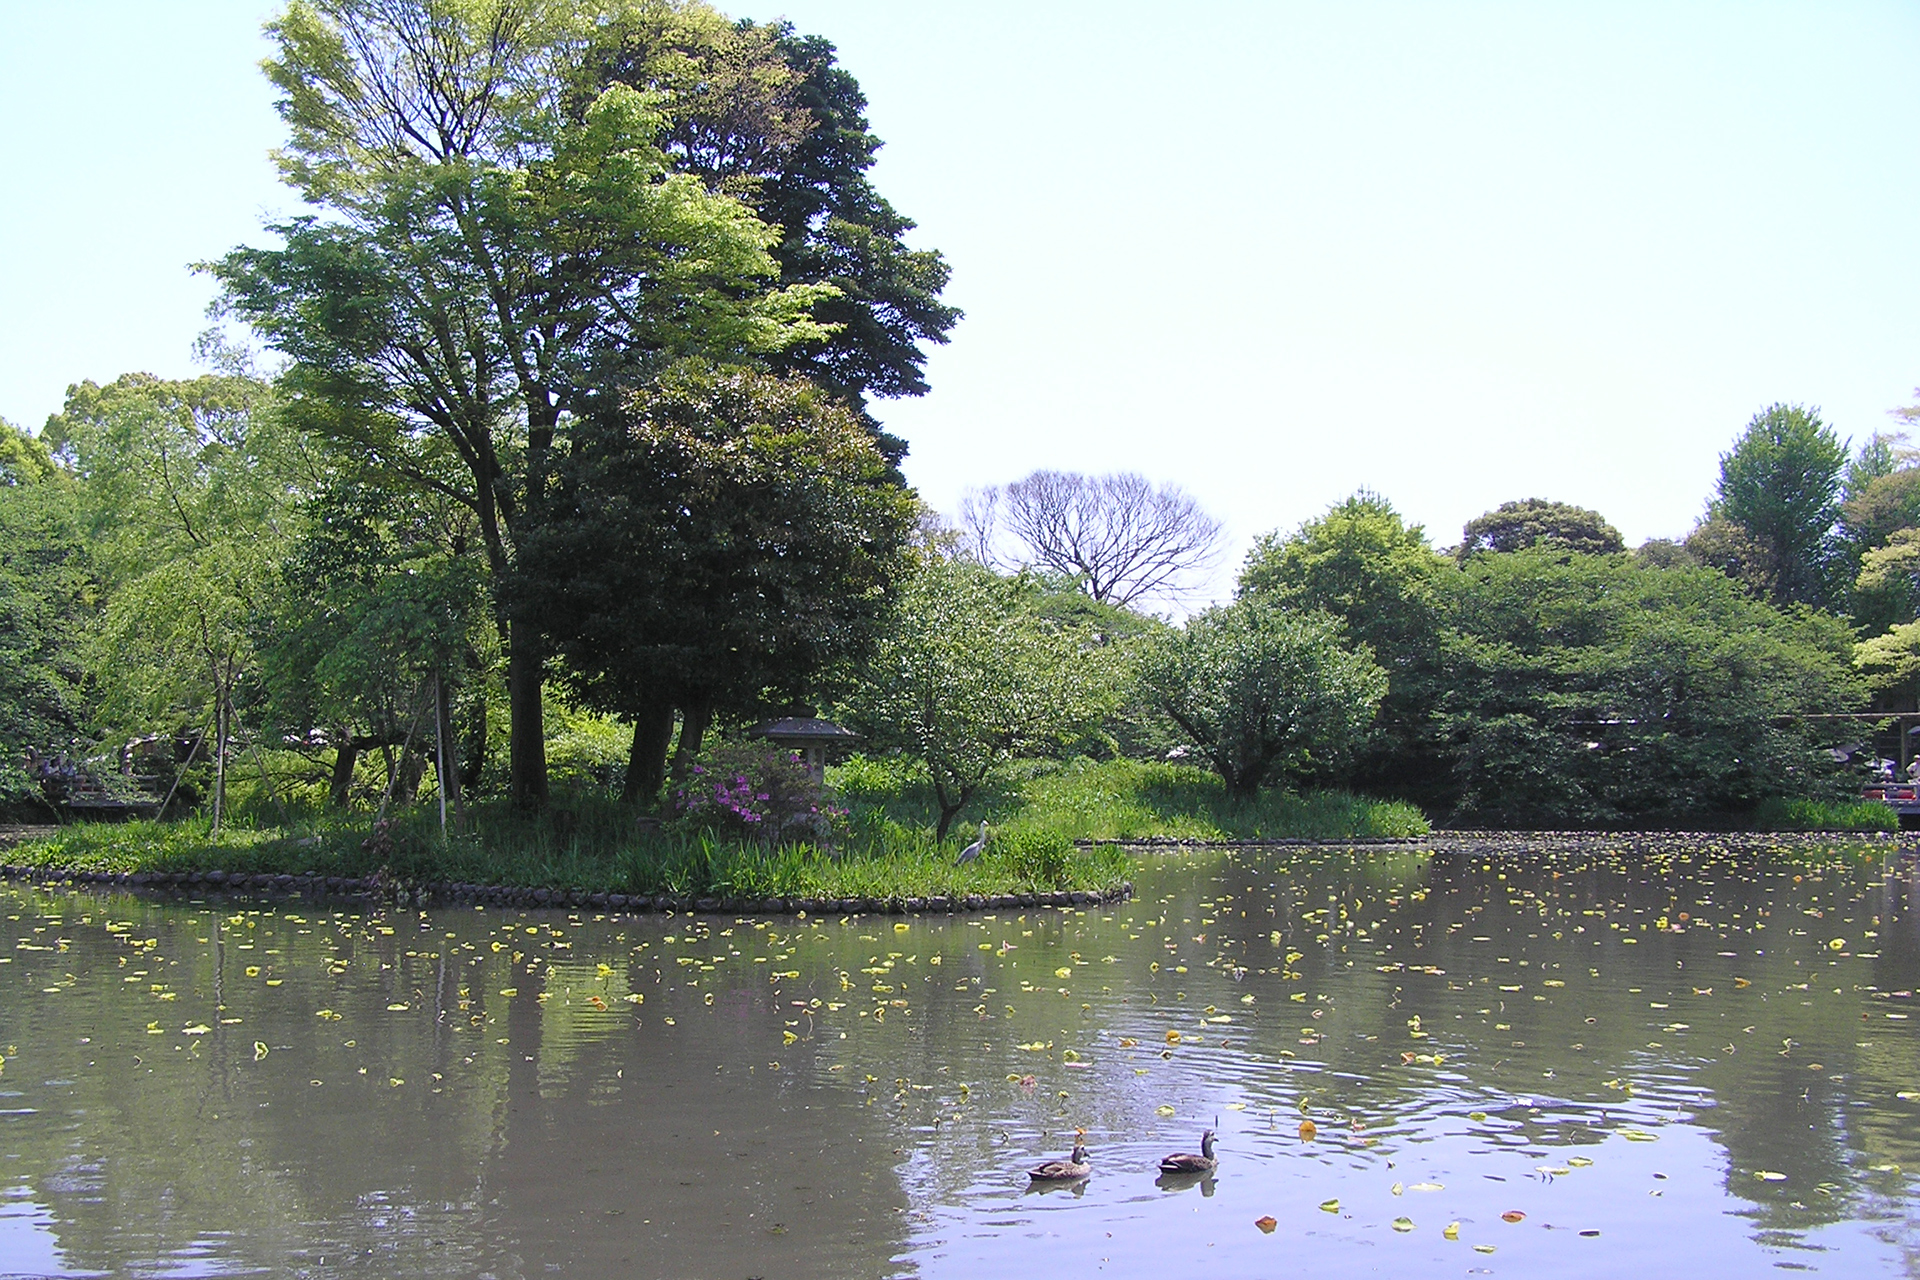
[1527, 1059]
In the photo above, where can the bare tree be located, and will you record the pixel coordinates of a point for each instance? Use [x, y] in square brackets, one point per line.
[980, 525]
[1120, 536]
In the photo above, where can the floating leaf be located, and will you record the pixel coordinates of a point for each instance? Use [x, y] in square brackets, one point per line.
[1064, 971]
[1451, 1231]
[1307, 1130]
[1173, 1037]
[1769, 1175]
[1486, 1248]
[1579, 1162]
[1330, 1206]
[1403, 1224]
[1908, 1095]
[509, 992]
[1266, 1223]
[1513, 1215]
[1590, 1233]
[397, 1008]
[198, 1029]
[1427, 1186]
[259, 1050]
[787, 1037]
[1639, 1135]
[1163, 1110]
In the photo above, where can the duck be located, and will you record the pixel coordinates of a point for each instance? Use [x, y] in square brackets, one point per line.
[1187, 1162]
[1072, 1169]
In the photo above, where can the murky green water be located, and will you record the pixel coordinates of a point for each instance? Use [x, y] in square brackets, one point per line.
[1684, 1060]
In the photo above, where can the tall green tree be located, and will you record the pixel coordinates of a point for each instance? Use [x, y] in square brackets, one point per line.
[1265, 692]
[1533, 522]
[185, 496]
[970, 678]
[718, 541]
[760, 112]
[497, 239]
[46, 607]
[1781, 483]
[1600, 690]
[1362, 563]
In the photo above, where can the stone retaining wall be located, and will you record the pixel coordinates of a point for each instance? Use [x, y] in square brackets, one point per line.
[504, 896]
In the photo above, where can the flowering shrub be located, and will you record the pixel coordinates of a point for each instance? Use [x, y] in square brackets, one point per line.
[756, 793]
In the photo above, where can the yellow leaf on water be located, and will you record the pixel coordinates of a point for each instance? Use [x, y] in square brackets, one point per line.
[394, 1082]
[901, 927]
[1397, 1188]
[1427, 1186]
[198, 1029]
[1266, 1223]
[1579, 1162]
[397, 1008]
[1908, 1095]
[1483, 1248]
[1638, 1135]
[259, 1050]
[274, 982]
[1769, 1175]
[1307, 1130]
[1236, 1106]
[1451, 1231]
[509, 992]
[1403, 1224]
[1063, 971]
[1173, 1037]
[1330, 1206]
[787, 1037]
[1163, 1110]
[253, 971]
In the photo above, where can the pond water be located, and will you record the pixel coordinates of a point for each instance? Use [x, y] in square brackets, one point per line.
[1682, 1057]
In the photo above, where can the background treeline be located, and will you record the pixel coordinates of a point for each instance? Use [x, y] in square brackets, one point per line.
[1542, 674]
[565, 475]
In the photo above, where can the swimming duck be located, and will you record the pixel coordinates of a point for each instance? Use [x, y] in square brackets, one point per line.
[1187, 1162]
[1072, 1169]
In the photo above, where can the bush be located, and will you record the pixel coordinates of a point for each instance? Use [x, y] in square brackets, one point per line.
[755, 794]
[1040, 856]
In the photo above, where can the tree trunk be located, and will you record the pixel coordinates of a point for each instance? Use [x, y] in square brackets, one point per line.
[527, 741]
[345, 757]
[473, 747]
[219, 759]
[647, 760]
[696, 714]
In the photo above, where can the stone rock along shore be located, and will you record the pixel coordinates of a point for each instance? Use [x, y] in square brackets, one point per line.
[287, 885]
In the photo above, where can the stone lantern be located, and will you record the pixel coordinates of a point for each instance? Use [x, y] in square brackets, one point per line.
[810, 736]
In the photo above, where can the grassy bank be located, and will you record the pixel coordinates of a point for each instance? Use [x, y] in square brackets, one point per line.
[1824, 815]
[590, 843]
[1123, 800]
[583, 843]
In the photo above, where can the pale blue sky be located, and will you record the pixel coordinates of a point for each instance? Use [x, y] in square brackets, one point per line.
[1458, 253]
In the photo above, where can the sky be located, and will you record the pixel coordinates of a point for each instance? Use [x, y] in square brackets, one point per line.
[1455, 253]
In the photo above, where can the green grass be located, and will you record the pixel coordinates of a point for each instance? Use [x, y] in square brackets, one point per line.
[583, 842]
[1125, 800]
[1776, 814]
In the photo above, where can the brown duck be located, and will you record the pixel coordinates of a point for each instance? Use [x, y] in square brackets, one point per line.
[1187, 1162]
[1072, 1169]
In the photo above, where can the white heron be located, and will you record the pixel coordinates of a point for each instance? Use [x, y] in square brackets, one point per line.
[973, 850]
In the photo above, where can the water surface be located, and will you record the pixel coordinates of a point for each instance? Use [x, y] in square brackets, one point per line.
[1682, 1055]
